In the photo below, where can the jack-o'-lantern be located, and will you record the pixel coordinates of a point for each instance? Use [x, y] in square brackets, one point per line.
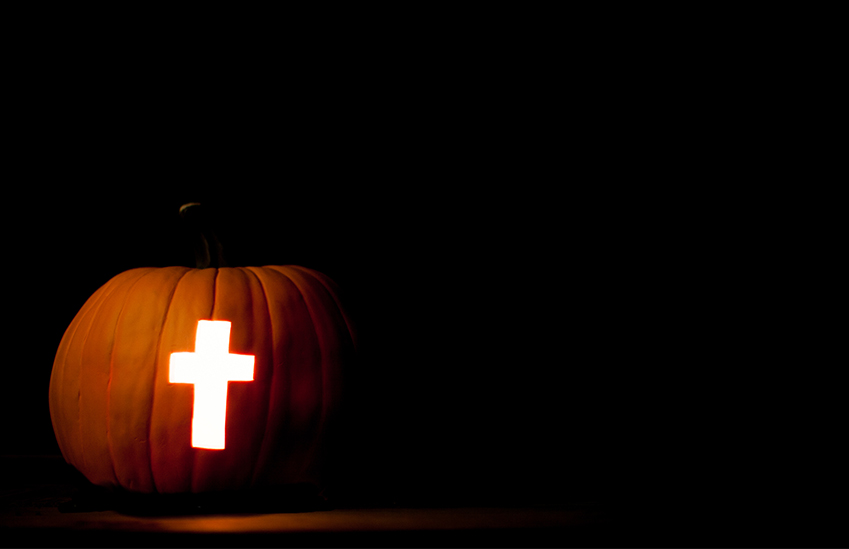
[192, 380]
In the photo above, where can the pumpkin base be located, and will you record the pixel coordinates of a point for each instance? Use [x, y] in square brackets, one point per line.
[291, 498]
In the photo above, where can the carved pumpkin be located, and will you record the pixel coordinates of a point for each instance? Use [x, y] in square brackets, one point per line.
[124, 424]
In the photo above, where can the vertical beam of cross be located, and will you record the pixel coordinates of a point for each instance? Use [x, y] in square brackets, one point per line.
[210, 368]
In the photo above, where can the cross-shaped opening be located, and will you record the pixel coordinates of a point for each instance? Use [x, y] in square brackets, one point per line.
[210, 368]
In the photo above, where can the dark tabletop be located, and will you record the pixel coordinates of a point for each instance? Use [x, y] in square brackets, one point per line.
[44, 503]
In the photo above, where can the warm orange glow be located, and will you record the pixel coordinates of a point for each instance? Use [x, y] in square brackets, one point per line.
[210, 368]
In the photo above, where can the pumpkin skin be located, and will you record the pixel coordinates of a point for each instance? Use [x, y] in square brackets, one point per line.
[121, 423]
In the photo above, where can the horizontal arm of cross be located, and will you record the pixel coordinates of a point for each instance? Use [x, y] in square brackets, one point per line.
[195, 367]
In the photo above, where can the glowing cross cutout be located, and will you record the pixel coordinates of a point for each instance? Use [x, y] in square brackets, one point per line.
[210, 368]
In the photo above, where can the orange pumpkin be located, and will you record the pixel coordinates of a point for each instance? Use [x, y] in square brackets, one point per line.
[121, 422]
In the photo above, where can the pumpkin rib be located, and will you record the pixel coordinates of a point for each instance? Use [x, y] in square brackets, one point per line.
[118, 318]
[264, 356]
[238, 301]
[57, 376]
[92, 313]
[283, 402]
[155, 370]
[320, 339]
[115, 287]
[57, 391]
[263, 442]
[340, 341]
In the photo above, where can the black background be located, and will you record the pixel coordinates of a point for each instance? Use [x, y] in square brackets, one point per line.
[569, 273]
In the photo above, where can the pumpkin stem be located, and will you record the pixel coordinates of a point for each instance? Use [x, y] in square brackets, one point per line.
[208, 249]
